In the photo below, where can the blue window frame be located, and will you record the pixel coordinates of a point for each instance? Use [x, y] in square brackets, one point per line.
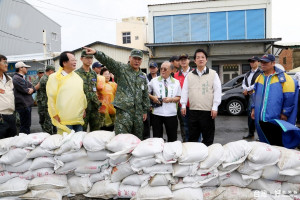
[218, 26]
[255, 24]
[199, 27]
[163, 29]
[236, 25]
[181, 28]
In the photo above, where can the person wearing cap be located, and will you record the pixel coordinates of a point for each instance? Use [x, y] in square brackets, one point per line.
[202, 87]
[97, 67]
[184, 62]
[66, 99]
[132, 100]
[23, 90]
[248, 85]
[153, 68]
[42, 100]
[274, 106]
[175, 62]
[89, 78]
[7, 102]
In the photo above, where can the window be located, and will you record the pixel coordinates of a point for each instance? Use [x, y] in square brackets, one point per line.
[181, 32]
[199, 27]
[126, 38]
[255, 24]
[218, 26]
[284, 60]
[236, 25]
[163, 29]
[245, 68]
[54, 36]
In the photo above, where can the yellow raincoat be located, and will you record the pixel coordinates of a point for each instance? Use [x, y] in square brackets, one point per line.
[66, 99]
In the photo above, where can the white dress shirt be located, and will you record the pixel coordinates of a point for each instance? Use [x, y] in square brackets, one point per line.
[216, 87]
[186, 72]
[3, 80]
[64, 73]
[251, 87]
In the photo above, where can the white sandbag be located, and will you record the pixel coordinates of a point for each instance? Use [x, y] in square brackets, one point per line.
[228, 169]
[79, 185]
[188, 194]
[262, 195]
[52, 142]
[5, 145]
[40, 152]
[262, 155]
[20, 168]
[13, 187]
[214, 158]
[71, 156]
[49, 194]
[272, 173]
[235, 152]
[104, 189]
[5, 176]
[293, 179]
[209, 193]
[248, 173]
[120, 172]
[137, 164]
[97, 140]
[71, 142]
[123, 143]
[185, 170]
[136, 179]
[127, 191]
[70, 166]
[91, 167]
[119, 159]
[148, 147]
[201, 179]
[98, 155]
[42, 162]
[11, 198]
[52, 181]
[14, 157]
[159, 192]
[158, 169]
[172, 151]
[161, 180]
[193, 152]
[233, 193]
[289, 162]
[29, 140]
[103, 175]
[264, 184]
[211, 183]
[290, 188]
[233, 179]
[37, 173]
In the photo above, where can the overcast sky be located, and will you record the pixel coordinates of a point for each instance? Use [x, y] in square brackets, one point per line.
[96, 19]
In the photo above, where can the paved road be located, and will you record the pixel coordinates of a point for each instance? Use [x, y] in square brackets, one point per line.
[228, 128]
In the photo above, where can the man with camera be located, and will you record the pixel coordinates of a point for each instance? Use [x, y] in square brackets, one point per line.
[166, 93]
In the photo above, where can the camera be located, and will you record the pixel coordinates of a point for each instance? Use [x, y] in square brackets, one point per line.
[155, 105]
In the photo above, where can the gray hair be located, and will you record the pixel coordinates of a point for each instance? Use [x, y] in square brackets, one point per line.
[169, 64]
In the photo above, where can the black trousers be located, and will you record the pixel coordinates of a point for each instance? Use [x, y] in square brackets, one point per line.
[272, 132]
[25, 119]
[201, 122]
[170, 123]
[8, 126]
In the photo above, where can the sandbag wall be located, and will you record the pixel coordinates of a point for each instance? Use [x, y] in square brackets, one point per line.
[102, 165]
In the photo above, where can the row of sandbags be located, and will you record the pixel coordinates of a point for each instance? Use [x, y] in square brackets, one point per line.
[102, 165]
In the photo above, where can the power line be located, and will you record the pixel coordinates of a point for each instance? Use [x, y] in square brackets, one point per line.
[19, 37]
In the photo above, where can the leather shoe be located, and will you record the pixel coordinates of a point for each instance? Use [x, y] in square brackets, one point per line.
[249, 137]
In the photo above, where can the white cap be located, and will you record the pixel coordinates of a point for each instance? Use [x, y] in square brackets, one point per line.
[21, 64]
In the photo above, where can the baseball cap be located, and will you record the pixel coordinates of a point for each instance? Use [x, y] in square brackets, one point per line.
[136, 53]
[153, 64]
[50, 67]
[173, 58]
[97, 64]
[183, 56]
[83, 54]
[40, 70]
[267, 58]
[253, 58]
[21, 64]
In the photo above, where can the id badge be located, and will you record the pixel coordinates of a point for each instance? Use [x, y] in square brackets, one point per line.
[94, 89]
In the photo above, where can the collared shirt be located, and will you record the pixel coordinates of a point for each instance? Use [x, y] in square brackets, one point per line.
[251, 87]
[186, 72]
[64, 73]
[216, 87]
[156, 86]
[297, 77]
[3, 80]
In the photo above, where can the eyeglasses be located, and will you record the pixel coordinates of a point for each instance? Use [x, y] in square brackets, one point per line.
[164, 69]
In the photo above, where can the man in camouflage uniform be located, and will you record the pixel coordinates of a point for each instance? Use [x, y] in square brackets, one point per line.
[89, 78]
[132, 100]
[42, 100]
[35, 83]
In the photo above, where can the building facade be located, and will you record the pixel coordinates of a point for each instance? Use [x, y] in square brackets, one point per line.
[132, 32]
[231, 31]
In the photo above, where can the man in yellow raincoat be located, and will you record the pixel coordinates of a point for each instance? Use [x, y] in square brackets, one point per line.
[66, 98]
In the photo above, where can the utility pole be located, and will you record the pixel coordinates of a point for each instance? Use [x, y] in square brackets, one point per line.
[45, 46]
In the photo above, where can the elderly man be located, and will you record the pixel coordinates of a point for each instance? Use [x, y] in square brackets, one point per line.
[166, 93]
[66, 98]
[132, 100]
[202, 87]
[274, 105]
[7, 102]
[23, 90]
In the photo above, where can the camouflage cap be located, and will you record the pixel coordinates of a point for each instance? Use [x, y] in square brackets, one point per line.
[83, 54]
[40, 70]
[136, 53]
[50, 67]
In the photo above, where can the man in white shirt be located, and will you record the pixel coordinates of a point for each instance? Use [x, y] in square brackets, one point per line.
[166, 93]
[202, 87]
[248, 85]
[297, 77]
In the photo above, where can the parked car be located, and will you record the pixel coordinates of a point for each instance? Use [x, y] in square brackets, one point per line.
[233, 100]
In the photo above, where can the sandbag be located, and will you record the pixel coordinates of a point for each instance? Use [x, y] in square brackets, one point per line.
[52, 142]
[137, 164]
[71, 142]
[119, 159]
[70, 166]
[98, 155]
[120, 172]
[159, 192]
[37, 173]
[97, 140]
[214, 158]
[49, 194]
[103, 175]
[148, 147]
[52, 181]
[193, 152]
[136, 179]
[248, 173]
[171, 152]
[104, 189]
[161, 180]
[290, 188]
[14, 157]
[40, 152]
[158, 169]
[29, 140]
[289, 162]
[79, 185]
[42, 162]
[123, 143]
[127, 191]
[20, 168]
[263, 184]
[92, 167]
[272, 173]
[201, 179]
[70, 156]
[185, 170]
[233, 179]
[188, 194]
[13, 187]
[5, 176]
[5, 145]
[233, 193]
